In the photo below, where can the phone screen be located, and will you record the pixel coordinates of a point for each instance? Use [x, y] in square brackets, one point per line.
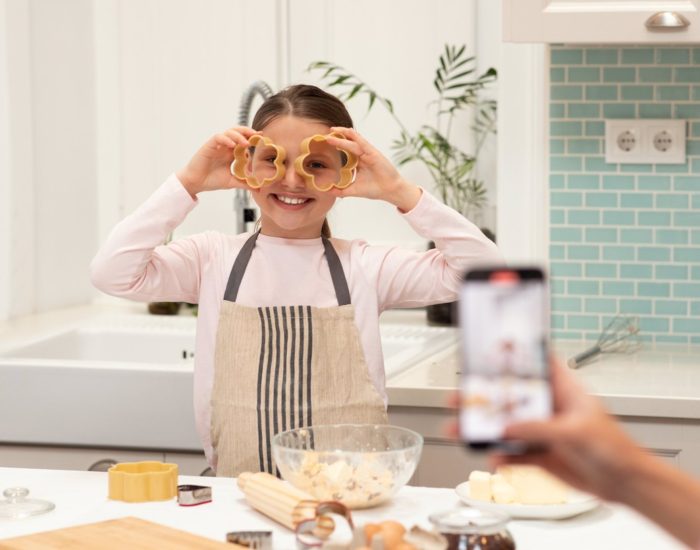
[504, 320]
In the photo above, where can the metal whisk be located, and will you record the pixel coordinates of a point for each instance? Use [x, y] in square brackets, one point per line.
[619, 336]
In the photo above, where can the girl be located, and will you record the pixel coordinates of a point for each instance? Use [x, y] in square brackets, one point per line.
[288, 326]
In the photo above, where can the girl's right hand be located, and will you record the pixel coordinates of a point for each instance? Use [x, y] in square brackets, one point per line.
[209, 168]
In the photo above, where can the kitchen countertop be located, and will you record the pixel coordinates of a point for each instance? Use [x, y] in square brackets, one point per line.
[656, 381]
[81, 497]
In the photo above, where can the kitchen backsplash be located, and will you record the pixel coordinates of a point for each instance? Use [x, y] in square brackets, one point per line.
[624, 238]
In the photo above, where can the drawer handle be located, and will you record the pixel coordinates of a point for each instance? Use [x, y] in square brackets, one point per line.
[102, 465]
[667, 21]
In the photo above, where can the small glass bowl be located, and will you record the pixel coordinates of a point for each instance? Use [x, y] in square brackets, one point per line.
[18, 505]
[359, 465]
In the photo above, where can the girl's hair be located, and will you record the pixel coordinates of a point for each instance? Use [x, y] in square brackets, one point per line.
[304, 101]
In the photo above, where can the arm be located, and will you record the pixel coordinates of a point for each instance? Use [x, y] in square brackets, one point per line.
[132, 263]
[586, 448]
[405, 278]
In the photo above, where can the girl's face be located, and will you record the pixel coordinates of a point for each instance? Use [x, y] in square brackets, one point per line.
[289, 208]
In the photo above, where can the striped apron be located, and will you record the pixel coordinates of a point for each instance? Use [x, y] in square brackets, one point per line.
[277, 368]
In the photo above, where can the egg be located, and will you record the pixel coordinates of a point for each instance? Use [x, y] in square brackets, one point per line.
[392, 532]
[371, 529]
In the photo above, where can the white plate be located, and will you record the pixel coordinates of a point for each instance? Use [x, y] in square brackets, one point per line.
[576, 504]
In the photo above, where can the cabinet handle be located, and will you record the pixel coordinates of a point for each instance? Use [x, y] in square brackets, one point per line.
[667, 21]
[102, 465]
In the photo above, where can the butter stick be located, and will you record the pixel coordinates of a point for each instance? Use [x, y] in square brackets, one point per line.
[480, 485]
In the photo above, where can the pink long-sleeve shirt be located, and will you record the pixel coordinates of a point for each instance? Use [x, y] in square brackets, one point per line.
[134, 264]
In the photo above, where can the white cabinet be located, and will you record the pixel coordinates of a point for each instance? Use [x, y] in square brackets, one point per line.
[675, 440]
[82, 458]
[189, 464]
[446, 463]
[68, 458]
[596, 21]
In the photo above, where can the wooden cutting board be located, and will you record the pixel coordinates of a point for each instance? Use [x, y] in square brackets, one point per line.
[131, 533]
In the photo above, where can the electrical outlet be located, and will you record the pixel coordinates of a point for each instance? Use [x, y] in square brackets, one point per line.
[645, 141]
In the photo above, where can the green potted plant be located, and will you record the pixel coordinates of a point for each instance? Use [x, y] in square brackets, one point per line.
[459, 88]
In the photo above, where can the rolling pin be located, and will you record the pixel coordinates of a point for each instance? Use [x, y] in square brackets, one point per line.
[277, 499]
[286, 504]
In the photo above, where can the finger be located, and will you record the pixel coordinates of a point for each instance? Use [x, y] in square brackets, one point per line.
[346, 145]
[224, 140]
[351, 134]
[237, 137]
[245, 131]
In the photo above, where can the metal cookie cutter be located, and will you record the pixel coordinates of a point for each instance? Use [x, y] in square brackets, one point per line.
[260, 540]
[312, 533]
[192, 495]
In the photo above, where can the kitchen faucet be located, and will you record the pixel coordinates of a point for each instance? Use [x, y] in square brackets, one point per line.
[241, 199]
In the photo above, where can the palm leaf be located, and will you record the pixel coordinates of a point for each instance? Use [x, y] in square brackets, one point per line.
[458, 85]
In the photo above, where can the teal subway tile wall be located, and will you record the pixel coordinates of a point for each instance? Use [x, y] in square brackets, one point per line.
[624, 238]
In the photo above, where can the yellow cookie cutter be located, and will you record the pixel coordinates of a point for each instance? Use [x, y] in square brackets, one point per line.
[241, 156]
[142, 481]
[347, 172]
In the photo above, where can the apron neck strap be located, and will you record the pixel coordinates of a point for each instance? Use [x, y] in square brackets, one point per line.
[340, 283]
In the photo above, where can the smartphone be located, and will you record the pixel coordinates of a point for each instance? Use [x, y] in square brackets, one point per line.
[504, 335]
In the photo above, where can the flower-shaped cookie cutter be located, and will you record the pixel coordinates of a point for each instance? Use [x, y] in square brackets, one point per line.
[242, 155]
[347, 171]
[142, 481]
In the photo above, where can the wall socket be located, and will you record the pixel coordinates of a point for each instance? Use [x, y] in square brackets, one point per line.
[645, 141]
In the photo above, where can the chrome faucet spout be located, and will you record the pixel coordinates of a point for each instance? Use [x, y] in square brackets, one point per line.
[241, 199]
[256, 88]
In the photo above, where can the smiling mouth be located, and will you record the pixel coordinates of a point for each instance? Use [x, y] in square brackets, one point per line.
[292, 201]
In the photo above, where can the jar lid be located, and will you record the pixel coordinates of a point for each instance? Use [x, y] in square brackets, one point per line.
[469, 521]
[17, 505]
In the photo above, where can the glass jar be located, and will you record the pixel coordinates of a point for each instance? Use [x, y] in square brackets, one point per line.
[472, 529]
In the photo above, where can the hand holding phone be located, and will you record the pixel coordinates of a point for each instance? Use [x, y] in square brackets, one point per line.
[504, 320]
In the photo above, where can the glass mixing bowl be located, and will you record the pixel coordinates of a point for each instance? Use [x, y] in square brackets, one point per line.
[360, 465]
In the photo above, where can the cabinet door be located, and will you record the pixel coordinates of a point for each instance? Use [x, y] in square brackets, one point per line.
[599, 21]
[446, 463]
[674, 440]
[189, 464]
[68, 458]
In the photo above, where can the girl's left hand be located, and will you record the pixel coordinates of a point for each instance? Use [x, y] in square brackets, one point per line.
[377, 177]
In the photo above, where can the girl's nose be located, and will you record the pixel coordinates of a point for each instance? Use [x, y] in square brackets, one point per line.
[292, 179]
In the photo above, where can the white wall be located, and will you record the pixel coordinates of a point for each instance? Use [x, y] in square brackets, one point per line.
[17, 293]
[5, 170]
[63, 100]
[48, 94]
[183, 67]
[108, 97]
[397, 55]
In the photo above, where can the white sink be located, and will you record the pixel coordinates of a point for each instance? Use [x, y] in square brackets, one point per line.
[407, 345]
[93, 384]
